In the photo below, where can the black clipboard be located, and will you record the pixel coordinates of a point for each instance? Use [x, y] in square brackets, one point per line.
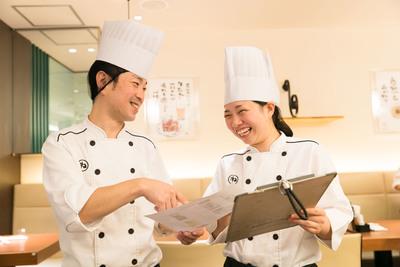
[267, 209]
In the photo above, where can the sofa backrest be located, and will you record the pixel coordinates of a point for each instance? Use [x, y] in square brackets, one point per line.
[371, 190]
[192, 188]
[32, 210]
[374, 193]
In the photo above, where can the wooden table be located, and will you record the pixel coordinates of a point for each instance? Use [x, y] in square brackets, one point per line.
[35, 249]
[383, 242]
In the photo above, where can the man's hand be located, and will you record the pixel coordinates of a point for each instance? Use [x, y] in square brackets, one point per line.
[188, 238]
[164, 196]
[318, 223]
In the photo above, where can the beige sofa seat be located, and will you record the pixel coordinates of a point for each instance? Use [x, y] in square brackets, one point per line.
[348, 254]
[195, 255]
[371, 190]
[33, 213]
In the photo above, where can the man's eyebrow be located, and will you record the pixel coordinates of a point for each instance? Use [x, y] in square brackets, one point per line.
[137, 77]
[238, 106]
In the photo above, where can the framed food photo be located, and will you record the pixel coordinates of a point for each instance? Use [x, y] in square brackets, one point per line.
[171, 108]
[386, 100]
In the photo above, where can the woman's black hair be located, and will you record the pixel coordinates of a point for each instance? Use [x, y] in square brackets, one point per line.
[110, 69]
[279, 123]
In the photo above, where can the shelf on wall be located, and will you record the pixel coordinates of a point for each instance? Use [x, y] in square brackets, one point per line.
[311, 121]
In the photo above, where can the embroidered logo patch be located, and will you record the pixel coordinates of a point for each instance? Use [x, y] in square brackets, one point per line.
[233, 179]
[84, 165]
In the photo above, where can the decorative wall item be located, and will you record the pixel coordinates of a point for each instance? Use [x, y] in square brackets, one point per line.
[386, 100]
[293, 100]
[171, 108]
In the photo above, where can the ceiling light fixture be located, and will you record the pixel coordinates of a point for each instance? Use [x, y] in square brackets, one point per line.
[137, 17]
[153, 5]
[91, 49]
[72, 50]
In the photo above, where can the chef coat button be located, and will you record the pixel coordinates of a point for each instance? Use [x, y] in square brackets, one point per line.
[132, 170]
[133, 201]
[248, 181]
[248, 158]
[134, 261]
[130, 143]
[284, 153]
[131, 231]
[97, 171]
[275, 265]
[103, 265]
[278, 177]
[250, 238]
[101, 235]
[92, 143]
[275, 236]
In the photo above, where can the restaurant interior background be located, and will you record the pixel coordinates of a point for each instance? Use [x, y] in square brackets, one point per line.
[327, 49]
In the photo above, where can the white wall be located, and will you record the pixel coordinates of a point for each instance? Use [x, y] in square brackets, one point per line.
[329, 70]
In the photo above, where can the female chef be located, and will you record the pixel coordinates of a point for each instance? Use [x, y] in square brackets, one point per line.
[101, 178]
[252, 115]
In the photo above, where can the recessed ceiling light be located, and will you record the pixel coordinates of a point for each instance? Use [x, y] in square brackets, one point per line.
[72, 50]
[153, 5]
[137, 18]
[91, 49]
[76, 91]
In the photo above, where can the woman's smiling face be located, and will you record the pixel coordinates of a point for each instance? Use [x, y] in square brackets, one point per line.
[249, 121]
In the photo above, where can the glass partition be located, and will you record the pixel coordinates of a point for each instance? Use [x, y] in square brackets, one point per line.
[69, 100]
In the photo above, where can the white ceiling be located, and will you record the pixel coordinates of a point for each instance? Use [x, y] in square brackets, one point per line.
[48, 23]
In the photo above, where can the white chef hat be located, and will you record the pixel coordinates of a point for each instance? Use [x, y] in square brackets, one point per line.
[129, 45]
[249, 76]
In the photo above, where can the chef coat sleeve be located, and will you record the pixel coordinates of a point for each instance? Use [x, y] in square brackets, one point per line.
[65, 185]
[215, 186]
[334, 201]
[158, 171]
[157, 167]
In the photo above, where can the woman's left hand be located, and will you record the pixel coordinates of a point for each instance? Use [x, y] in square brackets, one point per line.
[188, 238]
[317, 223]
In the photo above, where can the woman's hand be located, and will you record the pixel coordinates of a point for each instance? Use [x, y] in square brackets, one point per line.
[222, 223]
[318, 223]
[188, 238]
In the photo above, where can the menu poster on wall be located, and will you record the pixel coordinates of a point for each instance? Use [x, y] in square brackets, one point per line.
[171, 108]
[386, 100]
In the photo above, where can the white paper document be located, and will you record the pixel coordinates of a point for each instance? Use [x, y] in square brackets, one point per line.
[377, 227]
[200, 212]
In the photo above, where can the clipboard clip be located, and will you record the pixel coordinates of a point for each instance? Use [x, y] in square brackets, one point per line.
[286, 189]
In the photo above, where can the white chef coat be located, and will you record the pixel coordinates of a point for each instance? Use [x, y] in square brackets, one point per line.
[77, 161]
[288, 158]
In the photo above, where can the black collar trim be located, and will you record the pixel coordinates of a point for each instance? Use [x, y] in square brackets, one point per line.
[58, 137]
[144, 137]
[239, 154]
[301, 141]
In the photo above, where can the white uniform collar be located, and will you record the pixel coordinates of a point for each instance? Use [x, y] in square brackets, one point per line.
[276, 146]
[99, 132]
